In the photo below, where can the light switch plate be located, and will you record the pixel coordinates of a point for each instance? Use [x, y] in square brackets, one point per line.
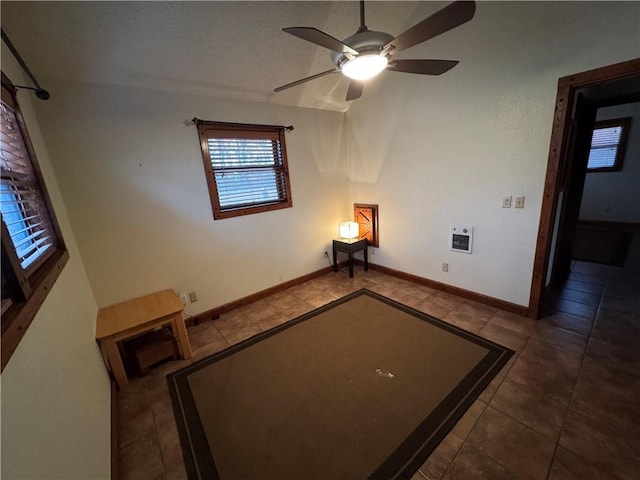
[506, 201]
[520, 202]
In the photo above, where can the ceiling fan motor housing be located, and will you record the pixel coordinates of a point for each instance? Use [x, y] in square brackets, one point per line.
[368, 41]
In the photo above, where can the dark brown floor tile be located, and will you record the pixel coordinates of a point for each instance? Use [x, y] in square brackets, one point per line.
[436, 465]
[583, 287]
[483, 312]
[471, 463]
[590, 268]
[274, 320]
[315, 297]
[204, 334]
[166, 368]
[573, 323]
[467, 422]
[569, 466]
[575, 308]
[256, 311]
[446, 300]
[141, 459]
[209, 349]
[162, 408]
[242, 333]
[135, 419]
[621, 357]
[619, 328]
[545, 377]
[176, 472]
[466, 321]
[436, 311]
[342, 289]
[535, 410]
[514, 322]
[602, 444]
[521, 450]
[590, 279]
[504, 336]
[386, 289]
[591, 299]
[609, 395]
[488, 393]
[414, 295]
[295, 310]
[537, 350]
[565, 339]
[169, 443]
[629, 304]
[621, 291]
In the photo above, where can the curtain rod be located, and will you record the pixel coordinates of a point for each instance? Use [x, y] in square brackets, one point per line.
[40, 92]
[198, 121]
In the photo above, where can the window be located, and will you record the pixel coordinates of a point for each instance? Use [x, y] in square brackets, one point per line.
[33, 252]
[245, 166]
[608, 145]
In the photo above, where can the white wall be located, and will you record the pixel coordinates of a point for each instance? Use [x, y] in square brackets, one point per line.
[55, 389]
[432, 151]
[129, 164]
[613, 196]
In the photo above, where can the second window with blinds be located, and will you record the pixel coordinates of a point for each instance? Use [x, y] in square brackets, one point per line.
[246, 167]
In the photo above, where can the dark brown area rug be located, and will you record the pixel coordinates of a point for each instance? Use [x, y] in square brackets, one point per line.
[363, 387]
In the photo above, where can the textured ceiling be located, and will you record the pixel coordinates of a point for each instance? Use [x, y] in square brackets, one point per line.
[222, 49]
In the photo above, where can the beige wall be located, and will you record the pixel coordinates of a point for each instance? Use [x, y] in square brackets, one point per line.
[55, 389]
[432, 151]
[129, 163]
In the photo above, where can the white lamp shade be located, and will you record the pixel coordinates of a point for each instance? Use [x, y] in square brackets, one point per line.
[349, 230]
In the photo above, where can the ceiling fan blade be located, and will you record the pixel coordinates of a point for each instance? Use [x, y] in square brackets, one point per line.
[440, 22]
[423, 67]
[303, 80]
[314, 35]
[355, 90]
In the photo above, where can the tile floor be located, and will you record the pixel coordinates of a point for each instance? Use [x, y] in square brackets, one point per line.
[566, 406]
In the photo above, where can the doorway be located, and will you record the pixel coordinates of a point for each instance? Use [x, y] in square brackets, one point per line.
[579, 96]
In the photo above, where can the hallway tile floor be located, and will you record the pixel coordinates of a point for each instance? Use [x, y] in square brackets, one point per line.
[565, 407]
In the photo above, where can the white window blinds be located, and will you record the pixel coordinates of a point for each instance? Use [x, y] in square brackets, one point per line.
[608, 144]
[247, 171]
[23, 209]
[245, 166]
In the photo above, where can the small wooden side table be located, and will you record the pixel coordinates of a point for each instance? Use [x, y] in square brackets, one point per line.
[350, 246]
[128, 319]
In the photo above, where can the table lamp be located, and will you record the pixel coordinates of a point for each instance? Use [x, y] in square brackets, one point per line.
[349, 230]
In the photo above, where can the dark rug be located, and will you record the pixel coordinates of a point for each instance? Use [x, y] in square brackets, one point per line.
[363, 387]
[600, 245]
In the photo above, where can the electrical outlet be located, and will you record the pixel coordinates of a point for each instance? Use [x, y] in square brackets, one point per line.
[193, 297]
[506, 201]
[326, 254]
[520, 202]
[183, 298]
[445, 267]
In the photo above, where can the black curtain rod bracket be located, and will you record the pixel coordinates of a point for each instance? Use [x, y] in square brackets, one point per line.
[40, 92]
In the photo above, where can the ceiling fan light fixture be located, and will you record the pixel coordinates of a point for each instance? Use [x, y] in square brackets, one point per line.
[364, 67]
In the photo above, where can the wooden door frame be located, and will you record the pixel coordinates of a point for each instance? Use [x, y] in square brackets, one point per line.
[557, 162]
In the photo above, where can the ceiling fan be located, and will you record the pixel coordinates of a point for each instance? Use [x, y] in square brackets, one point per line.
[366, 53]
